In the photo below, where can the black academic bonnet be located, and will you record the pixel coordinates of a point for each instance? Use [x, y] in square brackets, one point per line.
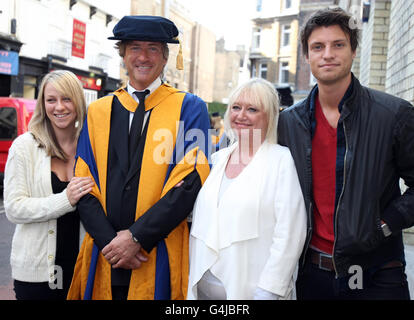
[145, 28]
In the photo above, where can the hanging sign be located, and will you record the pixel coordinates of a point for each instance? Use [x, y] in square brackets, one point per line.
[9, 62]
[78, 39]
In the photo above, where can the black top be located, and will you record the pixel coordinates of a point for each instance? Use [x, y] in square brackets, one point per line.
[67, 240]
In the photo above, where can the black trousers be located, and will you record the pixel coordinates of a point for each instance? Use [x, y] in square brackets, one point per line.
[38, 291]
[377, 284]
[120, 292]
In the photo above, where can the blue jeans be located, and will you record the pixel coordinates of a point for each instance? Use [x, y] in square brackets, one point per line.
[377, 284]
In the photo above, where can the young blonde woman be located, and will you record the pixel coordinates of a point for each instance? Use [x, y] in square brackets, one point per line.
[249, 220]
[40, 192]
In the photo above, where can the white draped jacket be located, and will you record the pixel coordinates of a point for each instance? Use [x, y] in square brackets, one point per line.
[254, 236]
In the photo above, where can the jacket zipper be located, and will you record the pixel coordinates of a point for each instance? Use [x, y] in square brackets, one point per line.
[310, 213]
[310, 219]
[339, 202]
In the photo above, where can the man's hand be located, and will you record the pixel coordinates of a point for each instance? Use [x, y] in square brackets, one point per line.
[123, 252]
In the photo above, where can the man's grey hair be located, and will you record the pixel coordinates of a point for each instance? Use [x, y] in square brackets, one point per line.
[121, 47]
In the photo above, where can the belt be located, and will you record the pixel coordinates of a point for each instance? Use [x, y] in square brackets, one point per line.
[322, 260]
[392, 264]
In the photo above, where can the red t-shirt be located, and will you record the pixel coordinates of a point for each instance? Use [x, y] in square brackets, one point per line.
[323, 179]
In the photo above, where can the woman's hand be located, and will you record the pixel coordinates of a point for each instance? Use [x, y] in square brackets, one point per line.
[77, 188]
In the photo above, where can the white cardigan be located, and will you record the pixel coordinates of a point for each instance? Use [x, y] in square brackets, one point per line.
[255, 235]
[29, 202]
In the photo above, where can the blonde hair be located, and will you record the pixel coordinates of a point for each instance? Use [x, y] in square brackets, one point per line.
[262, 94]
[68, 85]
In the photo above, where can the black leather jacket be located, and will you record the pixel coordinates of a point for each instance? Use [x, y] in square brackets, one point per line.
[379, 135]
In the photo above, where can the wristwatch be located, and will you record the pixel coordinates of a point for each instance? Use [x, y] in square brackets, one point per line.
[386, 229]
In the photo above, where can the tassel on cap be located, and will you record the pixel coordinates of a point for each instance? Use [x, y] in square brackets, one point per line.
[179, 63]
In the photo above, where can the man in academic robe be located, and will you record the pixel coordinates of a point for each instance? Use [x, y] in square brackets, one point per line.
[145, 147]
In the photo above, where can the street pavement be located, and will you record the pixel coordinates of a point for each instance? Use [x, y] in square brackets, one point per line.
[6, 283]
[409, 269]
[6, 232]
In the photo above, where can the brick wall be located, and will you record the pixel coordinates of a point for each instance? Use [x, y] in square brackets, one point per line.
[374, 46]
[400, 62]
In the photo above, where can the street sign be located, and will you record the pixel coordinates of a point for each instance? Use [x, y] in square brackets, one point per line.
[9, 62]
[78, 39]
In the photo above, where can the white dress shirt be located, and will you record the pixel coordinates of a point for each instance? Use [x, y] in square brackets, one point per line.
[130, 89]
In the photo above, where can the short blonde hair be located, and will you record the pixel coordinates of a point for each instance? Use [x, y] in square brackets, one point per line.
[68, 85]
[262, 94]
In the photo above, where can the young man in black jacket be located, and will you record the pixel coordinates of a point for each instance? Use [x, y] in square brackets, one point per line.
[351, 145]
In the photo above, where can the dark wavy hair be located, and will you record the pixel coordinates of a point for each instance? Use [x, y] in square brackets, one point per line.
[330, 17]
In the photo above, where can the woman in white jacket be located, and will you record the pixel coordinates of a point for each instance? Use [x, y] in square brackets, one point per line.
[40, 192]
[249, 219]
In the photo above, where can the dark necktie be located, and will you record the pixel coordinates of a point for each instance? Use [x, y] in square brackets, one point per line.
[136, 126]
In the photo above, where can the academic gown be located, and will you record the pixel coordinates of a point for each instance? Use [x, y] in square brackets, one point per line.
[157, 218]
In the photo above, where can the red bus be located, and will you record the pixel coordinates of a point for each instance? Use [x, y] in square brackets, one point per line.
[15, 114]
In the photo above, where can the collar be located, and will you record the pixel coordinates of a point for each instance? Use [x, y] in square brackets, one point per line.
[315, 91]
[152, 87]
[314, 95]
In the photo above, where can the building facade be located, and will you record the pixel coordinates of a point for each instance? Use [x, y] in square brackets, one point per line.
[197, 43]
[203, 53]
[374, 46]
[227, 72]
[61, 34]
[273, 52]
